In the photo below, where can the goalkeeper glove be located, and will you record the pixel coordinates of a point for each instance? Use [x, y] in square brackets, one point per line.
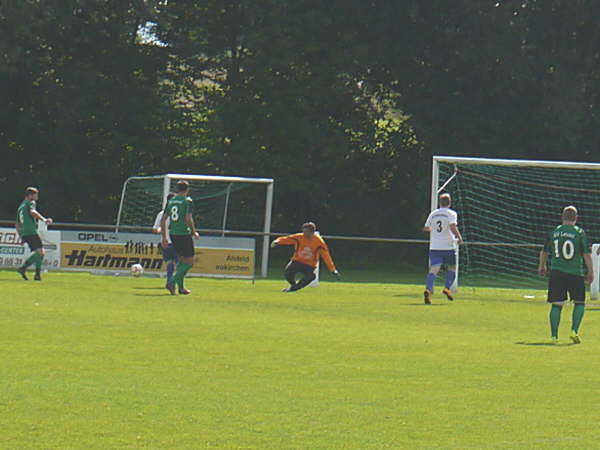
[274, 244]
[337, 275]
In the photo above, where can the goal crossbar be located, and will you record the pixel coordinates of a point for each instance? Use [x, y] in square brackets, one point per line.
[225, 179]
[517, 162]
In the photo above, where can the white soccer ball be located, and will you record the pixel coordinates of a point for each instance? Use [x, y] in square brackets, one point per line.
[137, 270]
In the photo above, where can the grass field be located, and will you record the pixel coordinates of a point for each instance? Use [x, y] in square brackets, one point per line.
[98, 362]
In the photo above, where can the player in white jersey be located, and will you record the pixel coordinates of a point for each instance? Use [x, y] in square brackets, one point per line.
[442, 226]
[169, 253]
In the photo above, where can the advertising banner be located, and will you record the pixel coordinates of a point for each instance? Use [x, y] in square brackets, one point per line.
[117, 252]
[13, 252]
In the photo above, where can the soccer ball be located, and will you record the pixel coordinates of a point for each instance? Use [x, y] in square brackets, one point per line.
[137, 270]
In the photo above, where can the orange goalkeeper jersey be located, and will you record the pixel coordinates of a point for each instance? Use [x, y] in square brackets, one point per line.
[308, 251]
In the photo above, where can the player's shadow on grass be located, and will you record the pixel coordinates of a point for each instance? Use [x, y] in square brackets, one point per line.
[17, 280]
[166, 294]
[423, 304]
[545, 344]
[149, 288]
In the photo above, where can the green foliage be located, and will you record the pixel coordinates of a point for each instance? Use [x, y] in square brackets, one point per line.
[289, 102]
[96, 362]
[84, 107]
[343, 102]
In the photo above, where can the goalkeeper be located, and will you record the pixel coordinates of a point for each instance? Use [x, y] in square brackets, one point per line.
[569, 248]
[308, 248]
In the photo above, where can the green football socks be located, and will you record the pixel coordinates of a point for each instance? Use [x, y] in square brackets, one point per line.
[36, 259]
[39, 260]
[182, 270]
[578, 311]
[555, 320]
[186, 268]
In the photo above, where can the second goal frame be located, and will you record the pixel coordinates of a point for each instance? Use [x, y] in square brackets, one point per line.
[438, 185]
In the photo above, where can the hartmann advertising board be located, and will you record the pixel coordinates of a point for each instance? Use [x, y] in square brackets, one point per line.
[116, 252]
[13, 252]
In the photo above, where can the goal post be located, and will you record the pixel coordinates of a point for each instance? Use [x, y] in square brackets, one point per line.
[507, 208]
[595, 286]
[220, 203]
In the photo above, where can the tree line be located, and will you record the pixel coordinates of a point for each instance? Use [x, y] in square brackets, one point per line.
[342, 102]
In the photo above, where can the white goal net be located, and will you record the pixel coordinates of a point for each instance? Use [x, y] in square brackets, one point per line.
[507, 208]
[222, 205]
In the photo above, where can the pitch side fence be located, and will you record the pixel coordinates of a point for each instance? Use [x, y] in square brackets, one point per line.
[88, 231]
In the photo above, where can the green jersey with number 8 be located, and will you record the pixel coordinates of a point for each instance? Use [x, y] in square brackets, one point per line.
[566, 245]
[176, 210]
[25, 219]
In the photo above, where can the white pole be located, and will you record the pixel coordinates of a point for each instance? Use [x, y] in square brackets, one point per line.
[454, 287]
[435, 181]
[315, 282]
[267, 230]
[121, 204]
[226, 209]
[595, 287]
[448, 181]
[166, 189]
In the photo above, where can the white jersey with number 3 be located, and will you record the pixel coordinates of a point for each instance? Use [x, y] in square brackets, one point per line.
[441, 238]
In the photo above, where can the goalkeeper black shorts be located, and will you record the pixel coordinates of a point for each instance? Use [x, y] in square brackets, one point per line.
[184, 245]
[564, 285]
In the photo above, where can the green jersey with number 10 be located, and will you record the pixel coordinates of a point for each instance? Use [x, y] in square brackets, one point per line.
[176, 210]
[566, 245]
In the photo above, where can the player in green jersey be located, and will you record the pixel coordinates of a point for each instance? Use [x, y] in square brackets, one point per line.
[179, 210]
[568, 249]
[27, 227]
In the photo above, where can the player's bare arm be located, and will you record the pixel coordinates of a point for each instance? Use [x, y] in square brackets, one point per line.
[543, 263]
[163, 231]
[587, 257]
[189, 220]
[18, 228]
[426, 229]
[36, 215]
[454, 230]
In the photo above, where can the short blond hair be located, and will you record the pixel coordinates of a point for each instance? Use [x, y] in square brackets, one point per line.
[569, 214]
[445, 200]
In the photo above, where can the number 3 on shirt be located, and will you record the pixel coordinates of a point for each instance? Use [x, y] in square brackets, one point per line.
[567, 250]
[439, 226]
[174, 213]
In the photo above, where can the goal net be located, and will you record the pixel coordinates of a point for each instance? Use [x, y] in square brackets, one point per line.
[507, 208]
[221, 204]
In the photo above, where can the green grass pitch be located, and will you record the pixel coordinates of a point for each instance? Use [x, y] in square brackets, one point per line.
[114, 362]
